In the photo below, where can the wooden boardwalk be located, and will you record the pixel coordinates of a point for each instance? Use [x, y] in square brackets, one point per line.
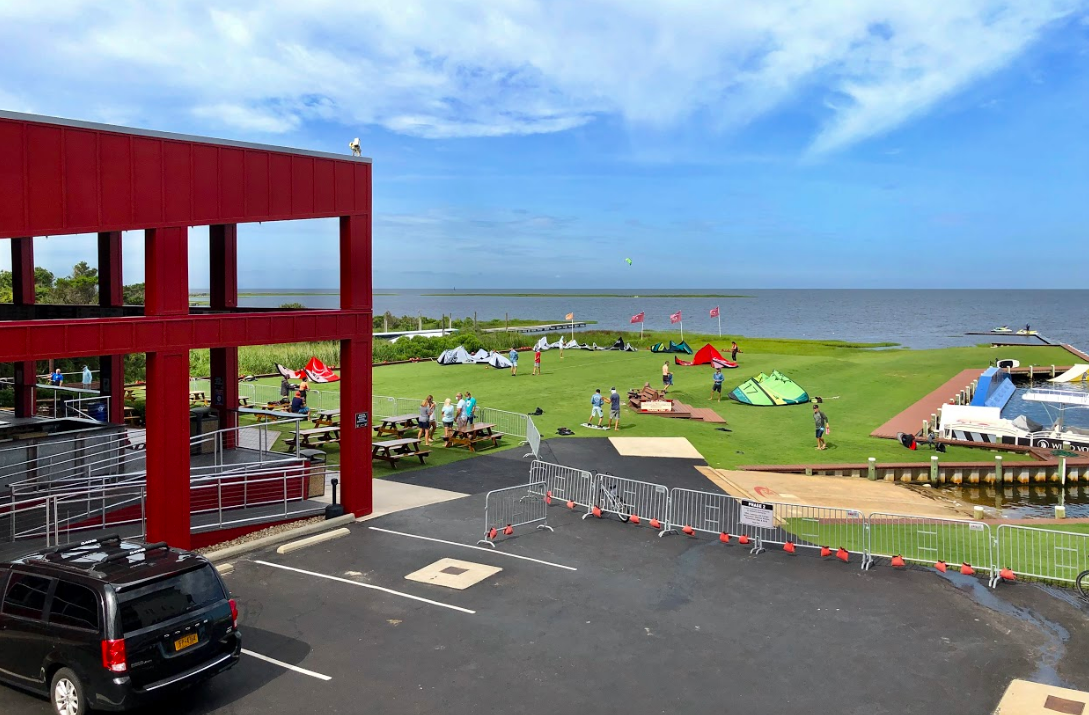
[911, 419]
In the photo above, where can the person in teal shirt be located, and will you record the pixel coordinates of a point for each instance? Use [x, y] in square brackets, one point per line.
[470, 406]
[597, 404]
[716, 384]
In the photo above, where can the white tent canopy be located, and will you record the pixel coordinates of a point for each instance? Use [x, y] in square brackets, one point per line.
[498, 360]
[455, 356]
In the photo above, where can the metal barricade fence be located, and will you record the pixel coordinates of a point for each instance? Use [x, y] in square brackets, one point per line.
[513, 507]
[511, 424]
[633, 500]
[1041, 553]
[813, 527]
[707, 512]
[533, 438]
[929, 540]
[565, 485]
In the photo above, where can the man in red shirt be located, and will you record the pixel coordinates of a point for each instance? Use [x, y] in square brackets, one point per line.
[537, 361]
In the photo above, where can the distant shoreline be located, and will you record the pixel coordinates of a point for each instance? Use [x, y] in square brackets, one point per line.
[579, 295]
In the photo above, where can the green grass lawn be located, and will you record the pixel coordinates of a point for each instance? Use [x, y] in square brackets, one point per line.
[862, 389]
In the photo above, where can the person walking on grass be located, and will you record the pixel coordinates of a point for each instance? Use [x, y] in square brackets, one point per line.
[716, 384]
[667, 377]
[537, 361]
[424, 421]
[821, 421]
[614, 409]
[597, 403]
[734, 350]
[447, 420]
[513, 362]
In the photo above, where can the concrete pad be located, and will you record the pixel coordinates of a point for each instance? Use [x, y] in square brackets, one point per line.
[312, 540]
[225, 569]
[391, 497]
[1025, 698]
[677, 447]
[453, 573]
[844, 492]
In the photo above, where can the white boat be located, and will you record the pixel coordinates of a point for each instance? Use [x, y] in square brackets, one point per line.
[1003, 329]
[987, 426]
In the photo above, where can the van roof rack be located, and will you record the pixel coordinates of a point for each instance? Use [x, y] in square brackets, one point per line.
[111, 540]
[121, 556]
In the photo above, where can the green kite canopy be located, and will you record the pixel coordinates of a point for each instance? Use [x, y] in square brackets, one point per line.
[772, 390]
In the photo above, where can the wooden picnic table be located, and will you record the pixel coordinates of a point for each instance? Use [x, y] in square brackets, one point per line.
[132, 417]
[324, 435]
[328, 418]
[472, 435]
[398, 425]
[243, 401]
[391, 450]
[198, 397]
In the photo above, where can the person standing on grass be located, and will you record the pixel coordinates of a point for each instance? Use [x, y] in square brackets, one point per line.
[716, 384]
[537, 361]
[459, 410]
[424, 421]
[431, 418]
[285, 390]
[304, 388]
[447, 420]
[470, 407]
[513, 362]
[667, 377]
[597, 402]
[561, 348]
[614, 409]
[821, 421]
[734, 350]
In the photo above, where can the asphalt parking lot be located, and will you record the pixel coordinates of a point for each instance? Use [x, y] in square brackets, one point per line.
[609, 617]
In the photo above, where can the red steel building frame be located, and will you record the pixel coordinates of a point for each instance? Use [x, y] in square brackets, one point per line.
[66, 177]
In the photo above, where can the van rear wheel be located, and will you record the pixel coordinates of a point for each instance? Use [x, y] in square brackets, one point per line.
[66, 693]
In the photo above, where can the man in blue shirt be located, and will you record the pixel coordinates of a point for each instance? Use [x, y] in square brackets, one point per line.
[716, 384]
[298, 405]
[513, 361]
[614, 409]
[57, 378]
[597, 402]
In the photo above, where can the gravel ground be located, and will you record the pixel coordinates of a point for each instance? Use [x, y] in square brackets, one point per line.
[278, 529]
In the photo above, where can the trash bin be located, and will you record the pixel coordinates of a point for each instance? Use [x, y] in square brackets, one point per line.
[203, 420]
[97, 411]
[315, 458]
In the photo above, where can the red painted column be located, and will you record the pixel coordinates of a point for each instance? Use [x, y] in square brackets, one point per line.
[111, 368]
[22, 284]
[355, 368]
[166, 291]
[223, 279]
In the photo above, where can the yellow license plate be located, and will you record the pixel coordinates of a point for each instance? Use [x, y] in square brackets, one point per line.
[185, 641]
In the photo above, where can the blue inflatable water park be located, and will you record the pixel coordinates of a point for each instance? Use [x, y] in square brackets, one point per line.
[994, 389]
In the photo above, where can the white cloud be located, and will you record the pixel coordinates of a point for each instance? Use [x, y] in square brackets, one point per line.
[456, 68]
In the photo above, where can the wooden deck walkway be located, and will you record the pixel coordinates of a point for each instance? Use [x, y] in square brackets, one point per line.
[911, 419]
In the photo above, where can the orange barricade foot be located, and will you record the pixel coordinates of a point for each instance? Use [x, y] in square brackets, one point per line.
[635, 519]
[688, 531]
[596, 511]
[789, 547]
[743, 540]
[843, 555]
[508, 530]
[897, 562]
[967, 570]
[825, 552]
[570, 505]
[724, 537]
[655, 524]
[1007, 575]
[941, 566]
[493, 532]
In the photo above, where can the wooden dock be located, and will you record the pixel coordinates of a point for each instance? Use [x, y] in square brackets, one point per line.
[911, 419]
[537, 328]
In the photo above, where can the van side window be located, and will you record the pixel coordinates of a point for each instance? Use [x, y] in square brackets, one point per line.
[25, 595]
[74, 605]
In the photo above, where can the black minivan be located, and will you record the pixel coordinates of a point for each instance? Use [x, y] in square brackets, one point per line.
[109, 624]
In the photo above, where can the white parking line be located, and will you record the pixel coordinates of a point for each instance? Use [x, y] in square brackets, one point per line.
[294, 668]
[366, 585]
[469, 546]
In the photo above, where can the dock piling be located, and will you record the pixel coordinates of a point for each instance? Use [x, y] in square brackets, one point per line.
[934, 470]
[998, 469]
[871, 469]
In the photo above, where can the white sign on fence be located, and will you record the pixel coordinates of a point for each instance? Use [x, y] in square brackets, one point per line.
[758, 514]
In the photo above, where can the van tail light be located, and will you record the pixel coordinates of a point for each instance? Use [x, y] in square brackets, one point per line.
[113, 656]
[234, 614]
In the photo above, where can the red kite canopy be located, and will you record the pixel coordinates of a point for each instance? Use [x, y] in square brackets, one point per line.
[707, 355]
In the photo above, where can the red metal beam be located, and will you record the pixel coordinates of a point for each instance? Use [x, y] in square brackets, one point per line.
[110, 281]
[355, 263]
[30, 340]
[166, 271]
[224, 366]
[356, 423]
[61, 177]
[168, 447]
[223, 266]
[22, 285]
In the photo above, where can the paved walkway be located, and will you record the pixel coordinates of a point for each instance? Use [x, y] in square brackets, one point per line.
[843, 492]
[911, 419]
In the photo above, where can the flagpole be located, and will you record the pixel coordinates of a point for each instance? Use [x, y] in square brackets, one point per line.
[720, 324]
[682, 330]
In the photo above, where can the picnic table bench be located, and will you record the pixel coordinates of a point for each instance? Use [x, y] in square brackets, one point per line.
[647, 394]
[325, 435]
[328, 418]
[472, 435]
[198, 397]
[243, 401]
[398, 425]
[132, 417]
[392, 450]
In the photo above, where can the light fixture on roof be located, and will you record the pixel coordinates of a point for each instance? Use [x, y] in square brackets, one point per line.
[354, 146]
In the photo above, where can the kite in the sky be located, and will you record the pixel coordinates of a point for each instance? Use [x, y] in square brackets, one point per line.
[628, 261]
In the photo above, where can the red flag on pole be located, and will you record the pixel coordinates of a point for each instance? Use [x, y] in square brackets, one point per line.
[675, 318]
[638, 318]
[714, 312]
[570, 316]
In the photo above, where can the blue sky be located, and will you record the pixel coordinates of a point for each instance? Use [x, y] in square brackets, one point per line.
[536, 144]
